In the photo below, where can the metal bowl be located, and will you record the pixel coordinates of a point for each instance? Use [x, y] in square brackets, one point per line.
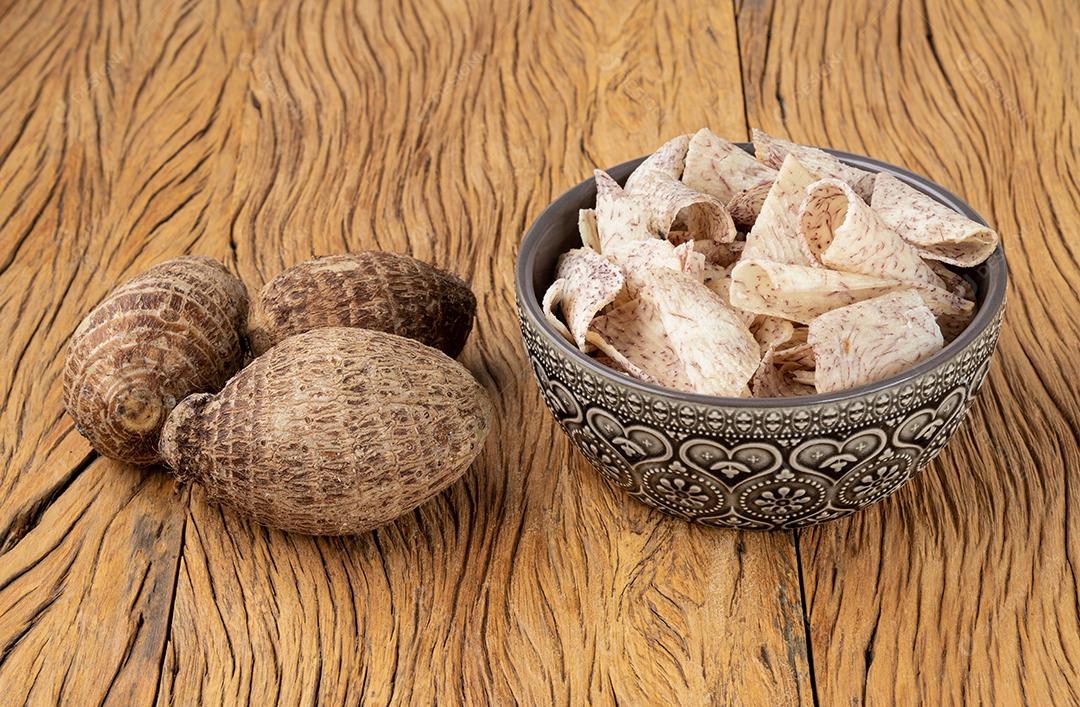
[752, 463]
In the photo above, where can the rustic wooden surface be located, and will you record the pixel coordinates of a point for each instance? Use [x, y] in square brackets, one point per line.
[264, 133]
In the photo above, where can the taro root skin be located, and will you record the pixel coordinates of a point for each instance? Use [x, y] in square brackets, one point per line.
[331, 432]
[174, 330]
[372, 290]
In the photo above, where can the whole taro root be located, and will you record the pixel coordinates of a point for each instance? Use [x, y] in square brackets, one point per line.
[372, 290]
[331, 432]
[172, 331]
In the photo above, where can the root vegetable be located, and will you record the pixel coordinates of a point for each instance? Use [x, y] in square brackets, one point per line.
[172, 331]
[331, 432]
[372, 290]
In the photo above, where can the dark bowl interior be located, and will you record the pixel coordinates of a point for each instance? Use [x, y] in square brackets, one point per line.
[556, 231]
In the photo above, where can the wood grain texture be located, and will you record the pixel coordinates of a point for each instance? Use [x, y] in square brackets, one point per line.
[963, 587]
[266, 133]
[269, 133]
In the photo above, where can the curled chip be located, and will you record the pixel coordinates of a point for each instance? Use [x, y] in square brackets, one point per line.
[717, 350]
[745, 207]
[669, 202]
[787, 361]
[721, 168]
[773, 150]
[718, 280]
[668, 160]
[590, 235]
[842, 232]
[938, 232]
[774, 379]
[797, 356]
[871, 340]
[714, 253]
[619, 217]
[954, 322]
[551, 298]
[587, 282]
[772, 332]
[954, 282]
[775, 235]
[633, 336]
[800, 293]
[634, 257]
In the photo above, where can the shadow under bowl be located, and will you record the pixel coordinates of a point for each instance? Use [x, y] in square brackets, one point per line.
[772, 463]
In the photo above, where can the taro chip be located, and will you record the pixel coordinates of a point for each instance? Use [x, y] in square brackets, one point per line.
[797, 293]
[633, 336]
[804, 376]
[721, 168]
[634, 257]
[772, 332]
[670, 204]
[619, 217]
[798, 335]
[590, 283]
[717, 350]
[944, 303]
[938, 232]
[605, 360]
[668, 160]
[842, 232]
[796, 356]
[718, 280]
[690, 260]
[954, 322]
[722, 254]
[954, 282]
[745, 207]
[872, 340]
[551, 298]
[773, 150]
[590, 236]
[775, 381]
[775, 235]
[801, 293]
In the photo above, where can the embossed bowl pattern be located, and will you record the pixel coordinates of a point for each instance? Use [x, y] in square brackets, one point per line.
[752, 463]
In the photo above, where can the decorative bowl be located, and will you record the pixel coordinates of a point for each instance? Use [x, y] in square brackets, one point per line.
[763, 464]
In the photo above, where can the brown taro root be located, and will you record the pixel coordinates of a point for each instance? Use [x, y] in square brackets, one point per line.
[372, 290]
[172, 331]
[331, 432]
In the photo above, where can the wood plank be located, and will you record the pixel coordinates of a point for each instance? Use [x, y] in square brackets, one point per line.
[85, 598]
[110, 128]
[962, 588]
[442, 130]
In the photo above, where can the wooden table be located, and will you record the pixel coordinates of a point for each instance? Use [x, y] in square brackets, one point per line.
[265, 133]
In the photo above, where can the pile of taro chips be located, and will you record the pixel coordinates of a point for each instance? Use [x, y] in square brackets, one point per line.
[786, 273]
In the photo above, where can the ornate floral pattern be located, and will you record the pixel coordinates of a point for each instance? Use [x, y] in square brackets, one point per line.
[676, 489]
[876, 480]
[763, 467]
[782, 497]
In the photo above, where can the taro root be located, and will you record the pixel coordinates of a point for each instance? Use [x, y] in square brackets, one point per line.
[371, 290]
[331, 432]
[172, 331]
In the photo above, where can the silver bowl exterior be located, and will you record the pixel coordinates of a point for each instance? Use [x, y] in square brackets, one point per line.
[763, 464]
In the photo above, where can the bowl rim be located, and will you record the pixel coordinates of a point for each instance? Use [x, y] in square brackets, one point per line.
[992, 301]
